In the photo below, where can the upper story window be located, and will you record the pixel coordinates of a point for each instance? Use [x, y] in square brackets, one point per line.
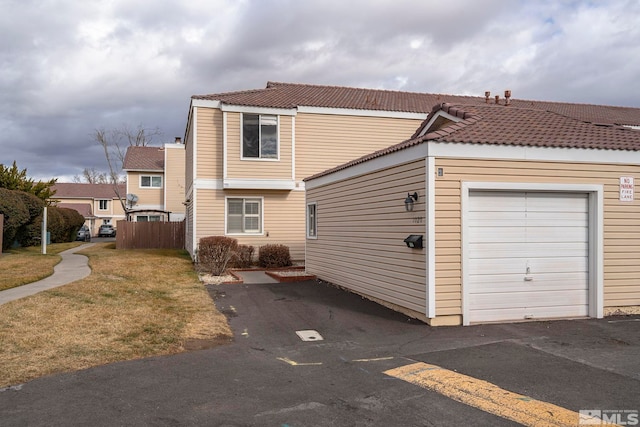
[259, 136]
[103, 205]
[151, 181]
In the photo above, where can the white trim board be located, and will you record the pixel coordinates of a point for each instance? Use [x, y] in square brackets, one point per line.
[479, 151]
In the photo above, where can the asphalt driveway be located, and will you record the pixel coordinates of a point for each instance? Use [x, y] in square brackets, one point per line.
[269, 376]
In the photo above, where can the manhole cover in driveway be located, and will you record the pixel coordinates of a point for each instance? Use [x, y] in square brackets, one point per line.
[309, 335]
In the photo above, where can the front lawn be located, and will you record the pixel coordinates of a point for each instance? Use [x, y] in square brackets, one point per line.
[135, 303]
[25, 265]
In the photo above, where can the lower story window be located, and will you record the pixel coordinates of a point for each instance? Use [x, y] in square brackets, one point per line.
[244, 215]
[312, 221]
[147, 218]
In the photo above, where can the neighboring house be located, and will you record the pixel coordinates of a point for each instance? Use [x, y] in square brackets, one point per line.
[247, 152]
[98, 203]
[155, 182]
[522, 213]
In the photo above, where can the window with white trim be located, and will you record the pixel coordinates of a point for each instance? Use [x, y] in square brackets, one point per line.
[244, 215]
[312, 220]
[150, 181]
[103, 205]
[259, 136]
[148, 218]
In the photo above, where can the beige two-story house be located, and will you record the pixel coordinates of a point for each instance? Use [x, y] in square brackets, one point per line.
[248, 152]
[155, 182]
[98, 203]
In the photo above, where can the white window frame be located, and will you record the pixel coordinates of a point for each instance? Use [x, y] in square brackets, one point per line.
[148, 218]
[312, 219]
[106, 205]
[260, 158]
[151, 181]
[260, 216]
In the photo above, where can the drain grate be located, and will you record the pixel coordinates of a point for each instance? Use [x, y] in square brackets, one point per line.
[309, 335]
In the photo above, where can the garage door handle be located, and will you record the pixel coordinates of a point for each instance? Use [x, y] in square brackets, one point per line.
[528, 279]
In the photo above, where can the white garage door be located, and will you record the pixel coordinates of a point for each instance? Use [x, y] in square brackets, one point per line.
[528, 256]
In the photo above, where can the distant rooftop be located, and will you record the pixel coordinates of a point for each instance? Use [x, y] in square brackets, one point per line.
[144, 159]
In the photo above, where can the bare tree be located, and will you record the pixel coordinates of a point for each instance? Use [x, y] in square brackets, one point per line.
[91, 176]
[115, 143]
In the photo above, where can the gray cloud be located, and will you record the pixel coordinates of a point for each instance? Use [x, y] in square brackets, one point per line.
[68, 68]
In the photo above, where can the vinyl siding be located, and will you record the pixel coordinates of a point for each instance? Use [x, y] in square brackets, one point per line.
[209, 143]
[325, 141]
[189, 156]
[174, 179]
[621, 221]
[283, 218]
[149, 198]
[362, 224]
[256, 168]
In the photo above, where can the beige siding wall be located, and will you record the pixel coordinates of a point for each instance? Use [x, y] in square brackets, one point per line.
[325, 141]
[147, 197]
[209, 143]
[175, 179]
[362, 223]
[283, 218]
[189, 156]
[621, 222]
[260, 169]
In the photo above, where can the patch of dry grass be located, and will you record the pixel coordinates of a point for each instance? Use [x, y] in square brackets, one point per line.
[135, 304]
[25, 265]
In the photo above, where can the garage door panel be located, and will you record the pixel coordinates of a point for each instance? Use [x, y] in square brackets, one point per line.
[515, 219]
[500, 283]
[508, 233]
[536, 266]
[521, 250]
[525, 235]
[561, 202]
[486, 202]
[529, 299]
[560, 311]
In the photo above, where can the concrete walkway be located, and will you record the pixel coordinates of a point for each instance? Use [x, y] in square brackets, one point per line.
[72, 267]
[255, 277]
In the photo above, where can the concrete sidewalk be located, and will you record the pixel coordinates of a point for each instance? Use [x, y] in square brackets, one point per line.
[72, 267]
[254, 277]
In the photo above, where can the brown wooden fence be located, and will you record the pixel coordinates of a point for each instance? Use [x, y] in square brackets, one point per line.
[150, 235]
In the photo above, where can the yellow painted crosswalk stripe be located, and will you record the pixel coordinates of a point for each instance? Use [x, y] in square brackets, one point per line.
[486, 396]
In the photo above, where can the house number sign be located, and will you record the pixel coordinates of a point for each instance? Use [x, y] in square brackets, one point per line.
[626, 189]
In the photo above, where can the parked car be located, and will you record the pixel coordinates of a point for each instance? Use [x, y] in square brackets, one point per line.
[106, 230]
[84, 234]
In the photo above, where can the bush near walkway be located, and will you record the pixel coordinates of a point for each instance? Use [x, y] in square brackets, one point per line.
[135, 303]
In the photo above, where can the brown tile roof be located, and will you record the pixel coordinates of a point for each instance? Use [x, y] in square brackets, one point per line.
[83, 209]
[502, 125]
[144, 159]
[291, 95]
[86, 191]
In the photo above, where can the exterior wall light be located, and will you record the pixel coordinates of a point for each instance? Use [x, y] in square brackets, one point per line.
[408, 202]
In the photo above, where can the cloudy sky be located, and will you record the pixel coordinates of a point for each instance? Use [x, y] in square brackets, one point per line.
[69, 67]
